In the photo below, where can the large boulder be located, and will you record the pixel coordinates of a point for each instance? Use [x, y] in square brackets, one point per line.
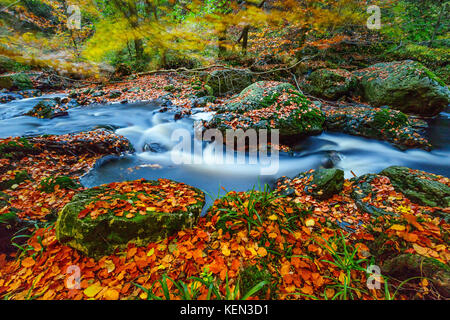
[330, 84]
[18, 81]
[421, 187]
[270, 105]
[228, 81]
[101, 219]
[406, 86]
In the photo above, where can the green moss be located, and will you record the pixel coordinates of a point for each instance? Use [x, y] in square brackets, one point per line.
[48, 184]
[107, 232]
[390, 119]
[15, 149]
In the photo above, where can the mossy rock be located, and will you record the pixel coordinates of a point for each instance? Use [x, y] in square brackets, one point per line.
[18, 81]
[330, 84]
[420, 187]
[325, 183]
[407, 86]
[46, 109]
[268, 105]
[96, 225]
[406, 266]
[49, 184]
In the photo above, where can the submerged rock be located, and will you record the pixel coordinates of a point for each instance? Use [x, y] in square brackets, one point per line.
[48, 109]
[420, 187]
[406, 86]
[101, 219]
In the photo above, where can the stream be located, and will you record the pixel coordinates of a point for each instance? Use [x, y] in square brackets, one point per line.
[150, 133]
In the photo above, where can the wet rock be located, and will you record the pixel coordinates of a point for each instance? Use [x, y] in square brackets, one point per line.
[225, 81]
[90, 142]
[98, 94]
[361, 190]
[406, 86]
[48, 109]
[9, 96]
[420, 187]
[385, 124]
[332, 159]
[325, 183]
[30, 93]
[203, 101]
[110, 226]
[154, 147]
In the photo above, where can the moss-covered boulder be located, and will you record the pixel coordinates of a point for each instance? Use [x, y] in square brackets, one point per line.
[330, 84]
[48, 109]
[270, 105]
[324, 183]
[101, 219]
[18, 81]
[228, 81]
[420, 187]
[407, 86]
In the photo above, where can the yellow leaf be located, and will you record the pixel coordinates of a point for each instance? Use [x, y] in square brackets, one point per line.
[92, 290]
[150, 252]
[28, 262]
[225, 251]
[110, 266]
[310, 222]
[398, 227]
[111, 294]
[273, 217]
[262, 252]
[342, 277]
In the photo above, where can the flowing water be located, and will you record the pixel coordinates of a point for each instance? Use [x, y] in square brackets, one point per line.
[150, 132]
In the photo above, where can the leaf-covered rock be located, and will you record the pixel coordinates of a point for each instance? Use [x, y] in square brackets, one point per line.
[104, 218]
[407, 86]
[421, 187]
[270, 105]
